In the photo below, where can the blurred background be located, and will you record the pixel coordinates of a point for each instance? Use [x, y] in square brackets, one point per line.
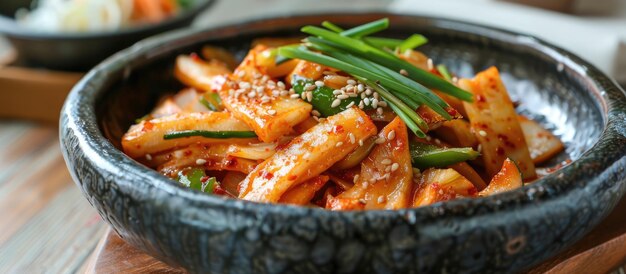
[45, 223]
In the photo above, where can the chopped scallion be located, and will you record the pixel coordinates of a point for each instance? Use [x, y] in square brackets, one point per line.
[210, 134]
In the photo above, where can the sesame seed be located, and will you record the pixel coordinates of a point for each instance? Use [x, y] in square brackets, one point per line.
[339, 144]
[265, 99]
[382, 104]
[455, 79]
[363, 95]
[251, 94]
[342, 96]
[306, 155]
[391, 135]
[479, 148]
[350, 105]
[275, 93]
[291, 91]
[388, 169]
[368, 91]
[337, 92]
[303, 95]
[310, 87]
[315, 113]
[200, 162]
[376, 96]
[353, 95]
[482, 133]
[281, 84]
[374, 103]
[351, 82]
[335, 103]
[318, 68]
[386, 161]
[319, 83]
[271, 112]
[257, 75]
[381, 199]
[244, 85]
[365, 184]
[309, 96]
[379, 140]
[366, 101]
[394, 167]
[362, 201]
[294, 96]
[284, 93]
[361, 142]
[351, 136]
[360, 88]
[231, 92]
[241, 73]
[430, 64]
[356, 178]
[361, 105]
[404, 72]
[148, 157]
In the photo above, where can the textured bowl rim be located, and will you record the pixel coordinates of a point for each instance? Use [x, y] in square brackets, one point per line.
[79, 116]
[9, 27]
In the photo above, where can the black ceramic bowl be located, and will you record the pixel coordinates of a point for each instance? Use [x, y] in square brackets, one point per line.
[503, 233]
[80, 51]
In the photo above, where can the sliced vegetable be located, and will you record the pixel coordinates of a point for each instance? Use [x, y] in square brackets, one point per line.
[385, 180]
[164, 108]
[322, 98]
[507, 179]
[257, 101]
[494, 122]
[305, 70]
[443, 70]
[307, 155]
[207, 156]
[303, 193]
[196, 179]
[211, 101]
[457, 133]
[147, 136]
[200, 74]
[438, 185]
[542, 144]
[211, 52]
[425, 155]
[356, 157]
[412, 42]
[209, 134]
[469, 173]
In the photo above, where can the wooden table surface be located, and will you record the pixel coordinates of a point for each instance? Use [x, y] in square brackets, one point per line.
[45, 223]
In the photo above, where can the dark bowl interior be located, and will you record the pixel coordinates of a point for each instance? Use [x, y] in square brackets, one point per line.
[503, 233]
[80, 51]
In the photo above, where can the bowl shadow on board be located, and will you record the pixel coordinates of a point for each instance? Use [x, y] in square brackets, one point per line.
[503, 233]
[80, 51]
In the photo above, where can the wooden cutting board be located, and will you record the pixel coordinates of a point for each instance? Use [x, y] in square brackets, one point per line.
[601, 251]
[31, 93]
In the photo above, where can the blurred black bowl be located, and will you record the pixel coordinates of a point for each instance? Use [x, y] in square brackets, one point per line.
[80, 51]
